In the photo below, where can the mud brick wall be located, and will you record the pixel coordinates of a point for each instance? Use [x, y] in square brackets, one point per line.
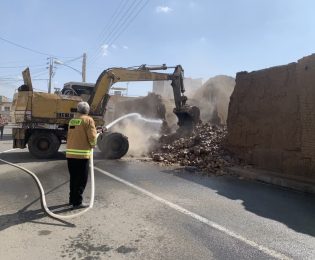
[271, 118]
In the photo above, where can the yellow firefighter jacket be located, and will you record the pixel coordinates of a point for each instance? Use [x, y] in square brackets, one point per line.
[81, 137]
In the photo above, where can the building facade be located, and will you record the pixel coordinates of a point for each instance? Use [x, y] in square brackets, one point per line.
[5, 107]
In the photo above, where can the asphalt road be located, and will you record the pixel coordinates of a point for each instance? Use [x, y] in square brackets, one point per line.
[145, 211]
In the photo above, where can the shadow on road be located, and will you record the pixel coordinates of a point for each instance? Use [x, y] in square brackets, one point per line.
[21, 156]
[294, 209]
[24, 215]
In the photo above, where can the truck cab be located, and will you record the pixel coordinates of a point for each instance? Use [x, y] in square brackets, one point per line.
[77, 88]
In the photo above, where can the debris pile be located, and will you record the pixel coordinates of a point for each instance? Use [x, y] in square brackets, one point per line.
[202, 149]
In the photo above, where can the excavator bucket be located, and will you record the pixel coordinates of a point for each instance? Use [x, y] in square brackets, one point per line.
[188, 116]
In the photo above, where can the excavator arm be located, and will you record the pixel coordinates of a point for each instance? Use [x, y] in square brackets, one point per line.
[187, 115]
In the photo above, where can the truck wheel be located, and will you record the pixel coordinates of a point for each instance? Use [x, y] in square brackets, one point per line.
[113, 145]
[43, 145]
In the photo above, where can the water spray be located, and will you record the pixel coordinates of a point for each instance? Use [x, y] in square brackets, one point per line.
[138, 116]
[91, 162]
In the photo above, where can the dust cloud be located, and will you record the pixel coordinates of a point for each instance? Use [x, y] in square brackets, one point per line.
[141, 135]
[213, 99]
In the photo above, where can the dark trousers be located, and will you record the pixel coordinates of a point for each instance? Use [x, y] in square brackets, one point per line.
[1, 131]
[79, 170]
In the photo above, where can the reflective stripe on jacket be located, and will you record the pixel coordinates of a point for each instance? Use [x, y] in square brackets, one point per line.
[81, 137]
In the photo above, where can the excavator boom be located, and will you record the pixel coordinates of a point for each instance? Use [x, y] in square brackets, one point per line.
[187, 116]
[41, 119]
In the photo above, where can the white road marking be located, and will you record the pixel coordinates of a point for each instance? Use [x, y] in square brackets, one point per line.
[206, 221]
[8, 150]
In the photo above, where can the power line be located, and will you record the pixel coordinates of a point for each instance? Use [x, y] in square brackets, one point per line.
[39, 74]
[113, 26]
[22, 66]
[72, 60]
[127, 23]
[126, 16]
[39, 69]
[114, 17]
[17, 80]
[29, 49]
[10, 75]
[121, 26]
[5, 79]
[16, 61]
[23, 47]
[35, 71]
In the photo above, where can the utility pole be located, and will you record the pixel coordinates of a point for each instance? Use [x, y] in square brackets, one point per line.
[84, 67]
[50, 73]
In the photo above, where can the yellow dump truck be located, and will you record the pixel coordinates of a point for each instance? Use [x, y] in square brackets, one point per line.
[41, 119]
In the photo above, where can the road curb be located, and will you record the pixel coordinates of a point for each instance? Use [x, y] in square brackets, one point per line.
[274, 178]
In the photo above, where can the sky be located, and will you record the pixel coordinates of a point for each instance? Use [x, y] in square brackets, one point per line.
[207, 37]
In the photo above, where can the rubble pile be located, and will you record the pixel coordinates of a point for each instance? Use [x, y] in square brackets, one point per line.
[202, 149]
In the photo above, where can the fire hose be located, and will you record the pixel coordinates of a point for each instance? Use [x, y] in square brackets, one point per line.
[42, 192]
[40, 187]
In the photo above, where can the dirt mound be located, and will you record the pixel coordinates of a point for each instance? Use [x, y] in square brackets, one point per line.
[202, 149]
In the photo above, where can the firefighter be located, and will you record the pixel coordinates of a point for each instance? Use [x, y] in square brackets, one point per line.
[81, 139]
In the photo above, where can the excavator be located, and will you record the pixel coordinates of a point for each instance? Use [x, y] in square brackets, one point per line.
[40, 120]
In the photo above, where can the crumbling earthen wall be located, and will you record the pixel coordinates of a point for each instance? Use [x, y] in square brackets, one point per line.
[271, 119]
[213, 98]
